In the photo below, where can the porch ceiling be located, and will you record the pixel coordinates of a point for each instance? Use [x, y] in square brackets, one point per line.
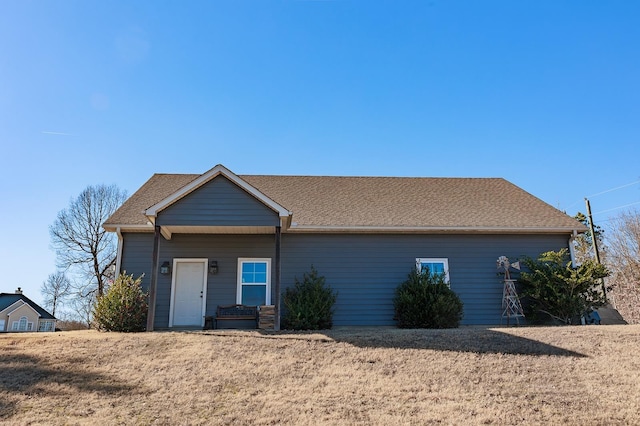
[176, 229]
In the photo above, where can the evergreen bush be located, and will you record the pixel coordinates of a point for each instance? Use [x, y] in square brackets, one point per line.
[308, 304]
[553, 289]
[425, 300]
[123, 307]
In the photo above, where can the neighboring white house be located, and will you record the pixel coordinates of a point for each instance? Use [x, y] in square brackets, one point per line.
[19, 313]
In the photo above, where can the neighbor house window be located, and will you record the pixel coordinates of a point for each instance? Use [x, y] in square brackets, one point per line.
[1, 325]
[22, 324]
[45, 325]
[434, 265]
[254, 282]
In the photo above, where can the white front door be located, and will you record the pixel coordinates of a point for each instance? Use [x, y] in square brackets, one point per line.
[188, 292]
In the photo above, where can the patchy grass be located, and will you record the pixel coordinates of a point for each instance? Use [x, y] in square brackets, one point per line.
[563, 375]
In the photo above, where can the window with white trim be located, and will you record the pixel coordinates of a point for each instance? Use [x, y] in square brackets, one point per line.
[22, 324]
[254, 281]
[1, 325]
[45, 325]
[435, 265]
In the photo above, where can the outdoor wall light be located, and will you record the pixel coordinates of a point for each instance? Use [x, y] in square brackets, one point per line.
[213, 267]
[165, 268]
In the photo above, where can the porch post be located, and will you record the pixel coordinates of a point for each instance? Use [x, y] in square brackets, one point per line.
[276, 324]
[151, 313]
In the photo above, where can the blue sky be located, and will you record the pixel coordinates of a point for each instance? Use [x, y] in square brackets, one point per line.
[543, 93]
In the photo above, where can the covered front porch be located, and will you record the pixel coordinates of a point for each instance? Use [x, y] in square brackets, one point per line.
[195, 274]
[216, 241]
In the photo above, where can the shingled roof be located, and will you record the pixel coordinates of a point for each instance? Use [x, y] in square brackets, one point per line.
[378, 203]
[8, 299]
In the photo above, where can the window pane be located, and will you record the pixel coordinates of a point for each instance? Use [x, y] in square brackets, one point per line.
[254, 272]
[254, 295]
[434, 268]
[248, 267]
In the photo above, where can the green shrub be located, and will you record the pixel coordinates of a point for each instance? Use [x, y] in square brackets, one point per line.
[554, 289]
[123, 307]
[308, 304]
[425, 300]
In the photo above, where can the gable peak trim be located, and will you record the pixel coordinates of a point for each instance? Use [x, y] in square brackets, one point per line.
[24, 303]
[208, 176]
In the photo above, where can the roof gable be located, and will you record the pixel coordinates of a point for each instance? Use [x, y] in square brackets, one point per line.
[9, 299]
[11, 307]
[218, 170]
[23, 304]
[218, 202]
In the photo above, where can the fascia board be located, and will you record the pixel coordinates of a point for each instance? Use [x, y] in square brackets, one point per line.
[152, 211]
[128, 228]
[427, 229]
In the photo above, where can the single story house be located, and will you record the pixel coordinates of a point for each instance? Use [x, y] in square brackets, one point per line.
[19, 313]
[217, 238]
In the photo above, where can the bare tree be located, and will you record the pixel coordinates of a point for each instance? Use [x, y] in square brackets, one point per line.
[624, 262]
[624, 246]
[55, 290]
[79, 240]
[82, 307]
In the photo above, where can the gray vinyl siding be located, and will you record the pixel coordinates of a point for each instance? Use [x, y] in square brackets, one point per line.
[225, 249]
[363, 269]
[366, 269]
[137, 252]
[219, 202]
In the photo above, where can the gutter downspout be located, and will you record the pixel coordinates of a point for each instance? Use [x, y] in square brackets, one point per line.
[119, 252]
[151, 313]
[278, 272]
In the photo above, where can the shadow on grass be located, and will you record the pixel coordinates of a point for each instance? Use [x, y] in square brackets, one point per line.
[26, 374]
[476, 340]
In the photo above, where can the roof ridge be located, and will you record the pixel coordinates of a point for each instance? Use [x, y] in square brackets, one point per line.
[380, 177]
[177, 174]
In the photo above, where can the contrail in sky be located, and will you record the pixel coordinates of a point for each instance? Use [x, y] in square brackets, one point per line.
[56, 133]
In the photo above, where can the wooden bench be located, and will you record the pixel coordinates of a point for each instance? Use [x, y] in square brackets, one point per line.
[237, 313]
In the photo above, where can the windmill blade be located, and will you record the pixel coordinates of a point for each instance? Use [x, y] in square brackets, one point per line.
[503, 262]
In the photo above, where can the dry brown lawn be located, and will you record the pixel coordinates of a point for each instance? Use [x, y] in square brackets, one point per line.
[570, 375]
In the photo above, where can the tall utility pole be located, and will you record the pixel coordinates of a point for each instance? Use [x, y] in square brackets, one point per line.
[594, 241]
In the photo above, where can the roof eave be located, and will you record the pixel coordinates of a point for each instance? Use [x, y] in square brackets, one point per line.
[113, 227]
[432, 229]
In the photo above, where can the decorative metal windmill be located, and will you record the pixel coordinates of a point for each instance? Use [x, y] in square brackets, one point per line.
[511, 306]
